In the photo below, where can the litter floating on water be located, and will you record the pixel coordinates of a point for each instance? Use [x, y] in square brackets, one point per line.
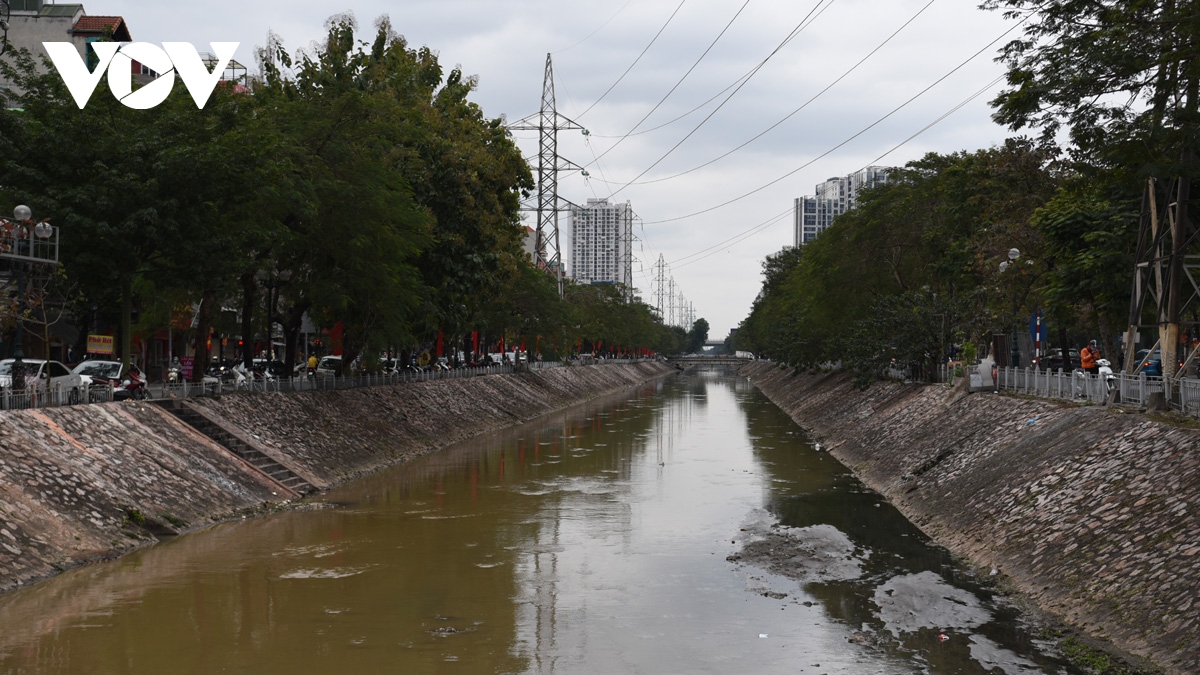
[762, 635]
[942, 637]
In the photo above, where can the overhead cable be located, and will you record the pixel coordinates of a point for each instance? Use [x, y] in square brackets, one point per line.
[735, 239]
[839, 145]
[672, 91]
[927, 127]
[804, 23]
[593, 33]
[635, 61]
[802, 107]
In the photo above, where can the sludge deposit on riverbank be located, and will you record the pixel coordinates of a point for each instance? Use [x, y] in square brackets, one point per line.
[85, 483]
[1092, 513]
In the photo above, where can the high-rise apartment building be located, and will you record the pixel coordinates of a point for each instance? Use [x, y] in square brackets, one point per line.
[812, 215]
[602, 243]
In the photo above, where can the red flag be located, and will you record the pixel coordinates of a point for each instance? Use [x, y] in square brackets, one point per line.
[439, 343]
[335, 339]
[522, 344]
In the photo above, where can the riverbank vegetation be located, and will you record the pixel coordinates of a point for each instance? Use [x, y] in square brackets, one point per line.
[921, 270]
[355, 183]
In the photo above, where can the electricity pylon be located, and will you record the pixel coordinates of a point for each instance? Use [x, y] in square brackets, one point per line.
[1165, 274]
[548, 122]
[660, 288]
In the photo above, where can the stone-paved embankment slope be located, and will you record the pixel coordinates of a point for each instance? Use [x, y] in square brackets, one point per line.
[1093, 513]
[334, 438]
[90, 482]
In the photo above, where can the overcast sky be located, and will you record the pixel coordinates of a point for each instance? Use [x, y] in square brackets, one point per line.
[688, 218]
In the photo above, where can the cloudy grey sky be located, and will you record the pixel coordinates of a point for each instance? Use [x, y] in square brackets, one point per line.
[715, 202]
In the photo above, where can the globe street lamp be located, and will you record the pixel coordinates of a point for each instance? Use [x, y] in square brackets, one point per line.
[1013, 254]
[19, 243]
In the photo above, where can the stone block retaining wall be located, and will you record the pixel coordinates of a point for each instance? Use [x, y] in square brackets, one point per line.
[89, 482]
[1093, 513]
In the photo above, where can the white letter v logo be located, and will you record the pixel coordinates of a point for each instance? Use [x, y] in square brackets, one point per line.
[73, 70]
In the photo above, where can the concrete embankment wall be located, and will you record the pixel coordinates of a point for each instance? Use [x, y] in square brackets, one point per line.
[89, 482]
[1093, 513]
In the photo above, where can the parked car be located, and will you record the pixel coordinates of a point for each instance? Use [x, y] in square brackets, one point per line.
[44, 376]
[1149, 362]
[100, 372]
[126, 383]
[1054, 359]
[329, 366]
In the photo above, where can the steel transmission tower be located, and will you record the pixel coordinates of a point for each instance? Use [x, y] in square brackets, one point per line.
[548, 122]
[1165, 274]
[660, 288]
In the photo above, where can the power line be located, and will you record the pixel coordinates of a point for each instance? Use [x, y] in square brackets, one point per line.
[745, 234]
[839, 145]
[735, 239]
[929, 126]
[672, 91]
[593, 33]
[802, 107]
[804, 23]
[635, 61]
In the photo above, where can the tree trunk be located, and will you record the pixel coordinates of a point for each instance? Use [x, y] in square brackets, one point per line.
[204, 319]
[126, 319]
[249, 290]
[1066, 349]
[291, 333]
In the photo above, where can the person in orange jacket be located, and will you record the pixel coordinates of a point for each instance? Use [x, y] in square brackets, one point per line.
[1088, 356]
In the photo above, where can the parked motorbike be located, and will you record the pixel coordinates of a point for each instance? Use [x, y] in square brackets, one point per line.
[1104, 374]
[132, 387]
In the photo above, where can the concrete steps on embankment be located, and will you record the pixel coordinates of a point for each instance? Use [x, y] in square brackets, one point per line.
[240, 446]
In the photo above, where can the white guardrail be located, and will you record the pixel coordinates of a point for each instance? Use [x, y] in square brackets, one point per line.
[40, 398]
[1181, 394]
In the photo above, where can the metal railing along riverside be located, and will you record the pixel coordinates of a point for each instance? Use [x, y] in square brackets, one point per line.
[1181, 394]
[40, 398]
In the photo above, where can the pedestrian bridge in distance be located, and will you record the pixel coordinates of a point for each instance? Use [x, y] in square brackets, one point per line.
[691, 361]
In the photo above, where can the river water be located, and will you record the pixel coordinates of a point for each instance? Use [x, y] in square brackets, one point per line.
[689, 527]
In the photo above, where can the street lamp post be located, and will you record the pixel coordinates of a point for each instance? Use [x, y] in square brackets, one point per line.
[22, 229]
[1013, 254]
[272, 280]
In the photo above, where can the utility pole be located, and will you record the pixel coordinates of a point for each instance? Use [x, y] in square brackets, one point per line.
[548, 122]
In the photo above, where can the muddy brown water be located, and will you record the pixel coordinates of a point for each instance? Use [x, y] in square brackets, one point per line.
[687, 528]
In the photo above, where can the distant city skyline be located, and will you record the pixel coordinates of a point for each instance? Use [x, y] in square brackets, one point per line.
[710, 117]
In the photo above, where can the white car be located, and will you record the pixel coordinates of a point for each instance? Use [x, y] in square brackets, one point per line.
[95, 372]
[329, 366]
[43, 375]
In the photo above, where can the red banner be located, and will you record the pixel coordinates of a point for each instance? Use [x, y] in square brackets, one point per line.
[439, 343]
[335, 339]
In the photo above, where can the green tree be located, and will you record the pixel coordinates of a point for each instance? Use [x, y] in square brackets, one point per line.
[697, 336]
[1121, 77]
[938, 228]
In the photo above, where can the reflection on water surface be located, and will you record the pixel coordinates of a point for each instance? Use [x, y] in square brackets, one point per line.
[686, 528]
